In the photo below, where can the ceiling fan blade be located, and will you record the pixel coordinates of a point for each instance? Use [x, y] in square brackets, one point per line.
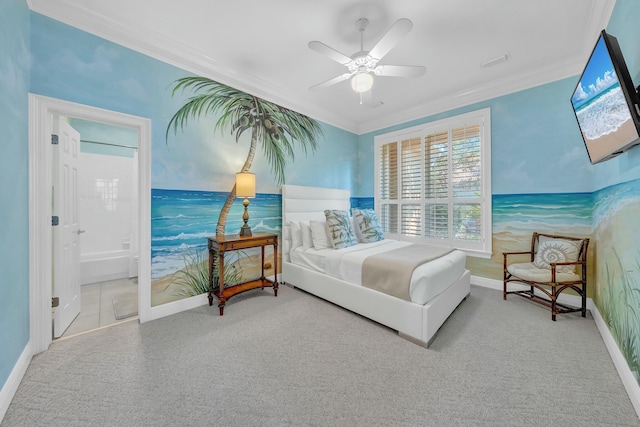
[331, 82]
[400, 70]
[322, 48]
[399, 29]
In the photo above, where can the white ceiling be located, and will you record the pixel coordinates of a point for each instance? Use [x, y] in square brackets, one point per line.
[260, 46]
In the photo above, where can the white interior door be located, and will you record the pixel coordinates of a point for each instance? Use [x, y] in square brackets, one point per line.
[66, 235]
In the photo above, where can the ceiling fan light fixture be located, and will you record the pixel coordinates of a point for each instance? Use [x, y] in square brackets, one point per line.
[361, 82]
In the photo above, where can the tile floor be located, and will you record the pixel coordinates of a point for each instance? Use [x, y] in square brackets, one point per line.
[97, 305]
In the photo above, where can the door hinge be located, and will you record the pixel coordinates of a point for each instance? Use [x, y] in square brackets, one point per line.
[55, 220]
[55, 301]
[54, 139]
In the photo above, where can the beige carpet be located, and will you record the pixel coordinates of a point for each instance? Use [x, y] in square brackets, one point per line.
[296, 360]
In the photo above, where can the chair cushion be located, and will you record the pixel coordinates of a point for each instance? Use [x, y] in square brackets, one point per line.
[556, 250]
[529, 271]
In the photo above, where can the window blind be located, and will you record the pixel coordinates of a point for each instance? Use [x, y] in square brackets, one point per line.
[433, 182]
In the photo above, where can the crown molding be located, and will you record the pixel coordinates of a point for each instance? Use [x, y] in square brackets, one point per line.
[168, 50]
[542, 74]
[536, 76]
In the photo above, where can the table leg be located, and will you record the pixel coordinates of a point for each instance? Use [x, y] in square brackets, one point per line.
[275, 269]
[262, 262]
[221, 299]
[211, 259]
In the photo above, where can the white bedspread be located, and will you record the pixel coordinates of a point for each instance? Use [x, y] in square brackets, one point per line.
[427, 281]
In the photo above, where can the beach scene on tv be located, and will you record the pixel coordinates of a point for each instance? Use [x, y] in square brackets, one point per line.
[601, 108]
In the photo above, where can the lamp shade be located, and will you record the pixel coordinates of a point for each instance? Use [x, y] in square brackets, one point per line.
[245, 184]
[361, 82]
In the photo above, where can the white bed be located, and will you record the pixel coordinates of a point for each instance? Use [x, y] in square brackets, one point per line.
[436, 290]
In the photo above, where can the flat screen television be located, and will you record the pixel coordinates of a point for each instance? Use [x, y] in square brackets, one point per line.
[606, 103]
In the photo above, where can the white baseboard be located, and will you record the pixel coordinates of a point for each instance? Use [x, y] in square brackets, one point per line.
[178, 306]
[11, 385]
[628, 380]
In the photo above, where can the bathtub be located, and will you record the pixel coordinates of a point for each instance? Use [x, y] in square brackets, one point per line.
[103, 266]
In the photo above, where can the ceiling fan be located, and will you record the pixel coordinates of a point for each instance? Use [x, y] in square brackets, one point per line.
[362, 66]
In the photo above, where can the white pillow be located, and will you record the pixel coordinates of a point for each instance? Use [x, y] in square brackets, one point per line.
[319, 234]
[296, 234]
[305, 230]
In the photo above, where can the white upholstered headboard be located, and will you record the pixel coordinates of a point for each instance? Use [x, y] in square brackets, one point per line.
[306, 204]
[301, 203]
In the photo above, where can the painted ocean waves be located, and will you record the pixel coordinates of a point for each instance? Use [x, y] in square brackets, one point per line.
[181, 221]
[610, 201]
[524, 213]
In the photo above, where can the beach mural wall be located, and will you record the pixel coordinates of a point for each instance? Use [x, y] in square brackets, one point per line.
[255, 124]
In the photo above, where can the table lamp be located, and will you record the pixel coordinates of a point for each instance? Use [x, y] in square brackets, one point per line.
[245, 187]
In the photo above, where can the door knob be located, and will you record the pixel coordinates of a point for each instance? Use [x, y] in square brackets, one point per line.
[81, 231]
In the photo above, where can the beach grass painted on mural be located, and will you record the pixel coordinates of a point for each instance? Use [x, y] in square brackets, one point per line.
[618, 280]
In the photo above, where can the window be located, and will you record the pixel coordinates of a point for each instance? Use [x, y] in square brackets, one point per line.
[433, 183]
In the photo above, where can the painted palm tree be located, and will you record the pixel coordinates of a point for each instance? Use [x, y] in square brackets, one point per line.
[275, 128]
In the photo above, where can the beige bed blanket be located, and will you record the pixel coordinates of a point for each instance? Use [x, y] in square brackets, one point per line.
[390, 272]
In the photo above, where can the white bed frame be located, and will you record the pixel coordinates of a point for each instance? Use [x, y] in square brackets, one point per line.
[417, 323]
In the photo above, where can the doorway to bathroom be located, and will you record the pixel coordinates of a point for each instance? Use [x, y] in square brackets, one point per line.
[41, 216]
[106, 230]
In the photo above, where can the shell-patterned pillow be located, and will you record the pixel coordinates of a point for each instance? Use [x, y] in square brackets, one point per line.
[557, 250]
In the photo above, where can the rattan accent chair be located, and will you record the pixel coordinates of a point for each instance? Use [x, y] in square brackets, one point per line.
[557, 263]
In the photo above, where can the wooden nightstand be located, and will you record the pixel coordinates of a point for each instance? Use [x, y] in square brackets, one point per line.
[218, 245]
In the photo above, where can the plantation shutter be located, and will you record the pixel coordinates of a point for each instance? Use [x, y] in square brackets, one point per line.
[436, 178]
[388, 184]
[433, 183]
[411, 187]
[467, 183]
